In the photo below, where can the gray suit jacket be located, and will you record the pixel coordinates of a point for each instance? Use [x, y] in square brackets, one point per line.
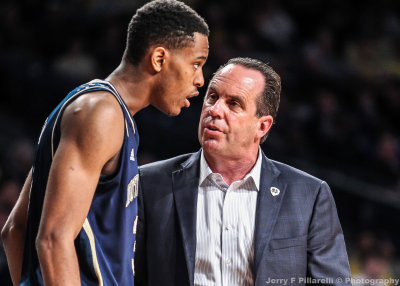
[297, 232]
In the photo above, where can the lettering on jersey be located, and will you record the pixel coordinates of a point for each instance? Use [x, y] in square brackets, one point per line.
[132, 190]
[133, 266]
[132, 157]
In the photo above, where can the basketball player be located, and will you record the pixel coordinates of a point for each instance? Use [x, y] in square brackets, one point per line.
[75, 220]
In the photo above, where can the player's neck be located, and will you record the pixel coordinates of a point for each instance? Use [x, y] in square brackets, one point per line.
[133, 85]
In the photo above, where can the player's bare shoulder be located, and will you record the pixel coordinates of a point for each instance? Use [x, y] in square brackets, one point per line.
[94, 119]
[96, 103]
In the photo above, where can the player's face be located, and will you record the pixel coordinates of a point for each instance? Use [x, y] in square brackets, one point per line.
[182, 76]
[228, 124]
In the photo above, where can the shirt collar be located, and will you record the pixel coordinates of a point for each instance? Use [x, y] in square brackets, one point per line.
[255, 172]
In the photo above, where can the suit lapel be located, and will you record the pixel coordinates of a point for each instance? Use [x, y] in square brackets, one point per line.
[185, 188]
[267, 209]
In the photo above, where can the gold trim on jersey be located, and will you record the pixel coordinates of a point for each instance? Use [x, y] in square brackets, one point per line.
[130, 116]
[126, 127]
[89, 233]
[120, 100]
[58, 115]
[135, 225]
[43, 128]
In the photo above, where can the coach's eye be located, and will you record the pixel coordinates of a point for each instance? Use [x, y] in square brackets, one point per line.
[212, 97]
[196, 65]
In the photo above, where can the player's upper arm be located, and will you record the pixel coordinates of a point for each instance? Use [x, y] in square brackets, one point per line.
[92, 129]
[92, 133]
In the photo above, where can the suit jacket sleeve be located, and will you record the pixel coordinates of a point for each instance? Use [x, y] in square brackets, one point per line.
[326, 249]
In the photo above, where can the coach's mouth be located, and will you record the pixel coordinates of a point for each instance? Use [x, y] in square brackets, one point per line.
[212, 129]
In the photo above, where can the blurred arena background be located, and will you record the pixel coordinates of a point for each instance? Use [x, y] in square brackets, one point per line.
[339, 117]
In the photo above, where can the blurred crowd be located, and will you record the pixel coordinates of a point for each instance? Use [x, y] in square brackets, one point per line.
[340, 105]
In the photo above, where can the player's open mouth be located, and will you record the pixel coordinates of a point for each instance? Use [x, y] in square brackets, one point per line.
[187, 102]
[194, 94]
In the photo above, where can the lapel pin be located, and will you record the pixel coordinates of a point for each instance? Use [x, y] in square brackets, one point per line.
[274, 191]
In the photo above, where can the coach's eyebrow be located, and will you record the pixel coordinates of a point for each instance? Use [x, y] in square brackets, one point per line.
[238, 98]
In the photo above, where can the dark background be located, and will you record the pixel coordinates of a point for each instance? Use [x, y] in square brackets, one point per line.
[340, 106]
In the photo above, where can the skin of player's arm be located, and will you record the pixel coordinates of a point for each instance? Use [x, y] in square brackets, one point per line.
[13, 232]
[92, 132]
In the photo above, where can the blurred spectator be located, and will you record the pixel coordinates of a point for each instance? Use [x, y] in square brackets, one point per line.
[76, 64]
[274, 24]
[321, 57]
[372, 261]
[388, 158]
[19, 158]
[375, 269]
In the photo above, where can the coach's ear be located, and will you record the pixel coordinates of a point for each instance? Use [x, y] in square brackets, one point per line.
[264, 125]
[158, 58]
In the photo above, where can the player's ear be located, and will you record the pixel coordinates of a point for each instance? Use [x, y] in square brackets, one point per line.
[158, 58]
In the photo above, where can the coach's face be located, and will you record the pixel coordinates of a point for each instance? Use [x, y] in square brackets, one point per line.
[180, 76]
[229, 127]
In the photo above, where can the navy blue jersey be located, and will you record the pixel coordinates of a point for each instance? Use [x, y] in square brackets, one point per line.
[105, 245]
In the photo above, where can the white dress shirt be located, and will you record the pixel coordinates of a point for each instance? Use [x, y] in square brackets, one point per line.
[225, 227]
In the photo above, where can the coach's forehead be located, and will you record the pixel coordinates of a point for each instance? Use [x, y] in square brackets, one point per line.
[235, 77]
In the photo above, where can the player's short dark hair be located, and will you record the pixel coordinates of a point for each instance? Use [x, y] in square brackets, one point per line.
[268, 101]
[162, 22]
